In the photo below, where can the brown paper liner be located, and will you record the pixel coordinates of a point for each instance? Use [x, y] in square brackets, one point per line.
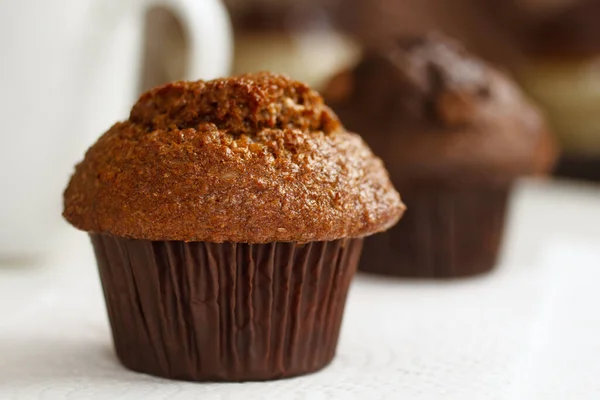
[441, 235]
[225, 312]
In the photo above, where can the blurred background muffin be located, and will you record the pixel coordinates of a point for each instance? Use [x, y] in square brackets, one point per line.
[455, 134]
[562, 73]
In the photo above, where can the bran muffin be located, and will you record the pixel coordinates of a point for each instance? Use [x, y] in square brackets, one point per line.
[227, 219]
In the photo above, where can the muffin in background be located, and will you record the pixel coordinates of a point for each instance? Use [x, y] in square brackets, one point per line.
[455, 134]
[563, 75]
[227, 220]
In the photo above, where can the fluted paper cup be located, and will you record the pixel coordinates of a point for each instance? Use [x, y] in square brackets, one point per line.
[225, 312]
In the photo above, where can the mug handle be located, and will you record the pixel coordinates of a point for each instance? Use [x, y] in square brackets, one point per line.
[210, 36]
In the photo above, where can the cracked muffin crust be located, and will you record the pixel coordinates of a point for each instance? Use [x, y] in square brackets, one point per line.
[255, 159]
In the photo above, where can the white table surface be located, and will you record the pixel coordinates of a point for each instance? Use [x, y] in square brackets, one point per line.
[530, 330]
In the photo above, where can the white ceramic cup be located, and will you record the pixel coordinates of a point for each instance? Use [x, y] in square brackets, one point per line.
[69, 69]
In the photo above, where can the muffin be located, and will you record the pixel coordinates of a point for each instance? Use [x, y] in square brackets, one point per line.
[563, 75]
[227, 220]
[455, 134]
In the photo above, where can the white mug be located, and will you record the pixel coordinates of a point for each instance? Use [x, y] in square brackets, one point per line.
[69, 69]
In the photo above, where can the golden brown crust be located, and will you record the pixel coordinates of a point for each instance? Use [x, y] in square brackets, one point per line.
[436, 114]
[240, 105]
[253, 159]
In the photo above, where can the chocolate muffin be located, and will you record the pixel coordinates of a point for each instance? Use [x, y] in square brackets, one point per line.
[562, 74]
[455, 134]
[227, 220]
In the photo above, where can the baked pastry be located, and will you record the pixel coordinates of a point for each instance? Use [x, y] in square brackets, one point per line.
[455, 134]
[227, 219]
[562, 74]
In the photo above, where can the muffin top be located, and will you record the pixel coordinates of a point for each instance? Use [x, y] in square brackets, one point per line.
[252, 159]
[435, 113]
